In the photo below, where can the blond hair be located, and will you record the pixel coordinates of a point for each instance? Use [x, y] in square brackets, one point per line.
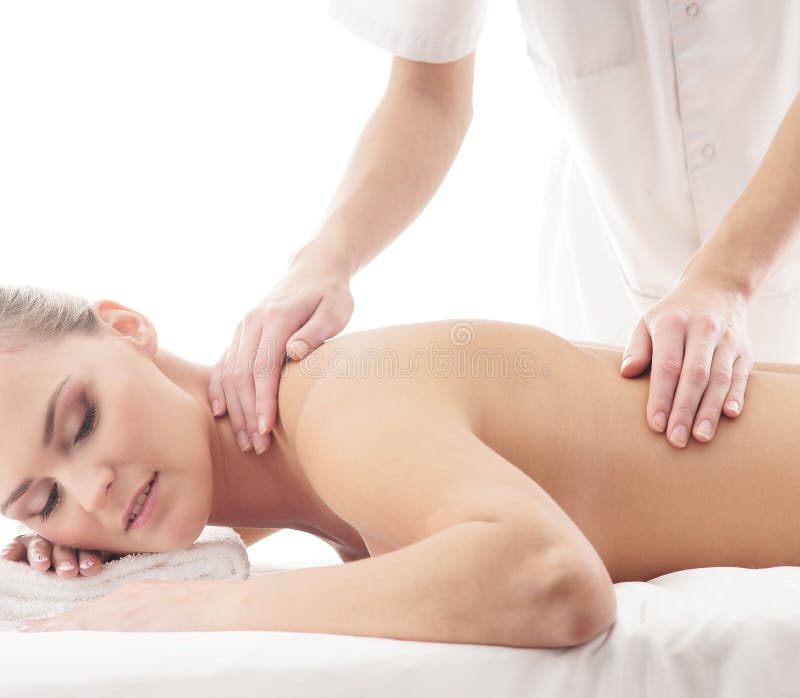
[31, 314]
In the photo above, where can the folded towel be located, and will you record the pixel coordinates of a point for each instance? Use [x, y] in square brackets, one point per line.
[218, 553]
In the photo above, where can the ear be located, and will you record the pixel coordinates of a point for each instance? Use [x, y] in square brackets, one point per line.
[120, 320]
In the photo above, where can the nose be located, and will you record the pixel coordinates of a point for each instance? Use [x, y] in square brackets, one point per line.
[92, 490]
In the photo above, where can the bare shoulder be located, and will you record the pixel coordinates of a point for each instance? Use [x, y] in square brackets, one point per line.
[417, 358]
[384, 460]
[400, 469]
[461, 362]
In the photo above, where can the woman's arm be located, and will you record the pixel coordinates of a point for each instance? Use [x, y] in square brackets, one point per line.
[476, 551]
[469, 583]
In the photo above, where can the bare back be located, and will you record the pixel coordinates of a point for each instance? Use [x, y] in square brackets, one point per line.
[566, 418]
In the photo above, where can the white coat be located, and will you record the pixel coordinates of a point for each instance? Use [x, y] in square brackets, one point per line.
[667, 109]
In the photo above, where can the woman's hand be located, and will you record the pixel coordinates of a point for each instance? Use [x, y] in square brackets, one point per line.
[39, 553]
[699, 344]
[153, 605]
[310, 304]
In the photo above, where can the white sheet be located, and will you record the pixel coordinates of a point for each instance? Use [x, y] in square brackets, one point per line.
[721, 631]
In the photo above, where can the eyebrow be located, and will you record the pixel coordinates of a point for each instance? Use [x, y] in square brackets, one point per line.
[47, 438]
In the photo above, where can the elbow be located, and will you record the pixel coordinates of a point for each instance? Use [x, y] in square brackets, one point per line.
[574, 601]
[592, 602]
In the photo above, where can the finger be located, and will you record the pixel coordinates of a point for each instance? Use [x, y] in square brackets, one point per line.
[638, 351]
[329, 318]
[235, 412]
[248, 355]
[14, 551]
[65, 561]
[268, 370]
[668, 342]
[701, 342]
[216, 395]
[734, 401]
[32, 625]
[39, 552]
[719, 383]
[89, 562]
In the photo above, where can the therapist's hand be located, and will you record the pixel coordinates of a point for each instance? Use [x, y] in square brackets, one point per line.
[310, 304]
[696, 338]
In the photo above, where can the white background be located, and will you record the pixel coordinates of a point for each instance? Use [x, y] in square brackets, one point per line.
[172, 155]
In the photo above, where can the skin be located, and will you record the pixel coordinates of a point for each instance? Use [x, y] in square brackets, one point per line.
[141, 389]
[646, 508]
[694, 337]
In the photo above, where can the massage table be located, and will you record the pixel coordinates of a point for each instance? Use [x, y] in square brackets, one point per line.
[718, 631]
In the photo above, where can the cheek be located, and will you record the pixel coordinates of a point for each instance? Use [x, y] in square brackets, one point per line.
[74, 532]
[158, 424]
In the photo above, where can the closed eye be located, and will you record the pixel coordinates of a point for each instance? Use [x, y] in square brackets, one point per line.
[90, 417]
[88, 422]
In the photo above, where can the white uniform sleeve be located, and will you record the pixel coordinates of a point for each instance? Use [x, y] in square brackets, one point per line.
[432, 31]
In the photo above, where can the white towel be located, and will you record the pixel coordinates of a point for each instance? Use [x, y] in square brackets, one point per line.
[218, 553]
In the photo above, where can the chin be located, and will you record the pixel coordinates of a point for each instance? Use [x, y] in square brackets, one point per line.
[180, 537]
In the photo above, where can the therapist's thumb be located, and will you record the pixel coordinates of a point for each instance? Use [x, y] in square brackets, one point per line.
[328, 320]
[638, 351]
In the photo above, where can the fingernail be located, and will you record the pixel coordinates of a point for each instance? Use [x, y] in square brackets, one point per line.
[66, 566]
[733, 406]
[704, 429]
[39, 557]
[298, 348]
[86, 564]
[244, 442]
[258, 443]
[216, 407]
[262, 424]
[626, 361]
[659, 421]
[679, 435]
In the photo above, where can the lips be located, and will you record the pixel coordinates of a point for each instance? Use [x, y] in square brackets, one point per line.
[126, 517]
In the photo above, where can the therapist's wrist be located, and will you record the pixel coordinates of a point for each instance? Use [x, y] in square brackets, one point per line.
[325, 252]
[724, 271]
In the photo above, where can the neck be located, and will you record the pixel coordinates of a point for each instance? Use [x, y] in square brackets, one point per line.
[266, 491]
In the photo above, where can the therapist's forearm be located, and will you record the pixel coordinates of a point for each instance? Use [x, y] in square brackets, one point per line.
[763, 225]
[399, 160]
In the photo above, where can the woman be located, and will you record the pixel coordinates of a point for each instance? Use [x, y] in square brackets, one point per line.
[500, 477]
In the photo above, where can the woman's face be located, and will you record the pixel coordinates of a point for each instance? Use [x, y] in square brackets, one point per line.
[117, 421]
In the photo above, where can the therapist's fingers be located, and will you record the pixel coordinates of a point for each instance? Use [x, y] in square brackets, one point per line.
[719, 383]
[216, 395]
[235, 413]
[294, 329]
[277, 322]
[638, 351]
[734, 401]
[702, 338]
[249, 360]
[329, 318]
[668, 333]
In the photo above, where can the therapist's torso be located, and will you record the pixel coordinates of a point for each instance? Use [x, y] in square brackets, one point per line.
[667, 109]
